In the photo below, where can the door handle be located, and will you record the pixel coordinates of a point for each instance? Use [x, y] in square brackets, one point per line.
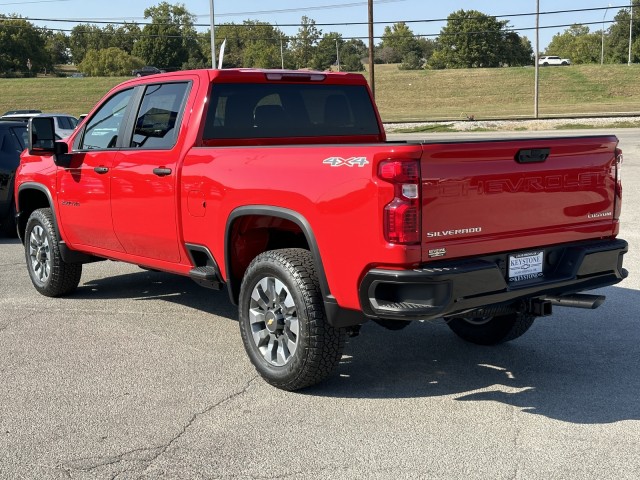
[162, 172]
[101, 170]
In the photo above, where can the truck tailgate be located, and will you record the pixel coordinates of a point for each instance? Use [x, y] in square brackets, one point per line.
[497, 196]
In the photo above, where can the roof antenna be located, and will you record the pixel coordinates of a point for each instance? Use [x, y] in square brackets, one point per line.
[221, 56]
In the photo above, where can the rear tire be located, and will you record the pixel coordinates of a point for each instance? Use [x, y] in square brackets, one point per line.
[491, 330]
[50, 274]
[283, 323]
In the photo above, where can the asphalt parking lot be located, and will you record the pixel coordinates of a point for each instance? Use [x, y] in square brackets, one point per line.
[143, 375]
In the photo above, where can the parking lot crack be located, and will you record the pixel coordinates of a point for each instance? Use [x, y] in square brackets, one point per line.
[146, 456]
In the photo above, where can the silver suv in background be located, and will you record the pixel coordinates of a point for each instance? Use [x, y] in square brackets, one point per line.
[65, 124]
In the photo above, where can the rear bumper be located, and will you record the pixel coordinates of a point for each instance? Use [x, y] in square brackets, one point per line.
[446, 288]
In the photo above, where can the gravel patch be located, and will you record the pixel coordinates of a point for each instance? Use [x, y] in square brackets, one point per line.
[513, 125]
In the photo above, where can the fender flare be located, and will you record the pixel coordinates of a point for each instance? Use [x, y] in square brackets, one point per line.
[68, 255]
[279, 212]
[41, 188]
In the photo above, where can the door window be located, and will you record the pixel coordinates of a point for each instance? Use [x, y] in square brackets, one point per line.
[157, 120]
[103, 129]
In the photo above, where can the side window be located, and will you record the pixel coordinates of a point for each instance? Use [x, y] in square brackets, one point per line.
[103, 129]
[21, 137]
[157, 120]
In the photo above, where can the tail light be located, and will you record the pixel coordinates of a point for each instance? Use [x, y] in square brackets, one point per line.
[618, 198]
[619, 159]
[402, 214]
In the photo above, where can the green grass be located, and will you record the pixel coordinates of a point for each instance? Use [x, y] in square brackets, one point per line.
[505, 92]
[404, 95]
[64, 95]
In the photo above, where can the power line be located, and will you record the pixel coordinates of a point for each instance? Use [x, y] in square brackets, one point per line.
[479, 32]
[334, 24]
[34, 1]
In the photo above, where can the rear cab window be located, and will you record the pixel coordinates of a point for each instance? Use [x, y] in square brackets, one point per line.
[275, 112]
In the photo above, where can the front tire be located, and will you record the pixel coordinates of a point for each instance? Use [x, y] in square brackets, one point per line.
[50, 274]
[491, 330]
[283, 323]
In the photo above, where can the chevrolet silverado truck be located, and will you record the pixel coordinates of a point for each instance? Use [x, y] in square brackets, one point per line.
[281, 187]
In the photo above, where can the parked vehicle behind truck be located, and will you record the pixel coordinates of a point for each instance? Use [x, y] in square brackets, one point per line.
[281, 187]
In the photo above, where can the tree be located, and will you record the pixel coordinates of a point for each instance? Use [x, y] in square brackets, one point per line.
[253, 44]
[472, 39]
[57, 45]
[518, 51]
[304, 44]
[109, 62]
[427, 47]
[576, 43]
[123, 37]
[326, 53]
[398, 41]
[21, 43]
[85, 37]
[351, 55]
[262, 45]
[170, 40]
[411, 61]
[617, 38]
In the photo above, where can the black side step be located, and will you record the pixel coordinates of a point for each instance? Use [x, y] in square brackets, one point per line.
[206, 277]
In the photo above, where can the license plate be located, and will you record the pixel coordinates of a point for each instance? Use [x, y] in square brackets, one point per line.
[526, 266]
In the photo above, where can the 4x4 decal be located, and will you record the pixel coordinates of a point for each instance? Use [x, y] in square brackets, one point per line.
[348, 162]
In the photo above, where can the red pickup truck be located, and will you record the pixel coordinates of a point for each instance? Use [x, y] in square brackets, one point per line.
[281, 187]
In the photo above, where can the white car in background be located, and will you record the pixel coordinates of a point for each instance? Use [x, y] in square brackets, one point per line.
[550, 60]
[64, 124]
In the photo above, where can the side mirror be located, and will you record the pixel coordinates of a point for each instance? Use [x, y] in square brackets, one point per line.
[42, 137]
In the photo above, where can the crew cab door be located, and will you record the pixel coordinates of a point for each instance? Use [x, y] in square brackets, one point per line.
[145, 174]
[84, 196]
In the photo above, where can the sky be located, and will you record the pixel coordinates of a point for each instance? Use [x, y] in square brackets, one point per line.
[287, 13]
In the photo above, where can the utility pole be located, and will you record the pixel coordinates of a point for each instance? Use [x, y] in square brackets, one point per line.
[337, 55]
[602, 36]
[372, 76]
[213, 38]
[537, 65]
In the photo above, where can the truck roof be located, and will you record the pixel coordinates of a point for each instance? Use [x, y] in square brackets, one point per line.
[255, 75]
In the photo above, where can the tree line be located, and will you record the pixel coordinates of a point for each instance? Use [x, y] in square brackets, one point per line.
[169, 40]
[581, 45]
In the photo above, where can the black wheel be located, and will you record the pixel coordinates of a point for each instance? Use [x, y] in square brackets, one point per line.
[283, 323]
[491, 330]
[8, 227]
[51, 275]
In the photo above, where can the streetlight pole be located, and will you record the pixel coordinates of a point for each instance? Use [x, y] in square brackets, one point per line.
[602, 36]
[372, 77]
[537, 66]
[213, 38]
[630, 30]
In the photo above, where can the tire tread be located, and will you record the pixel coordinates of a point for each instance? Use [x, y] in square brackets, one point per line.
[65, 277]
[325, 342]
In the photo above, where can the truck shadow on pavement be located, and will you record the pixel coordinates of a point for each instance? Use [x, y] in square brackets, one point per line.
[147, 285]
[577, 366]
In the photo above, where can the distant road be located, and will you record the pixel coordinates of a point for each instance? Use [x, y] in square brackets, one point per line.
[627, 136]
